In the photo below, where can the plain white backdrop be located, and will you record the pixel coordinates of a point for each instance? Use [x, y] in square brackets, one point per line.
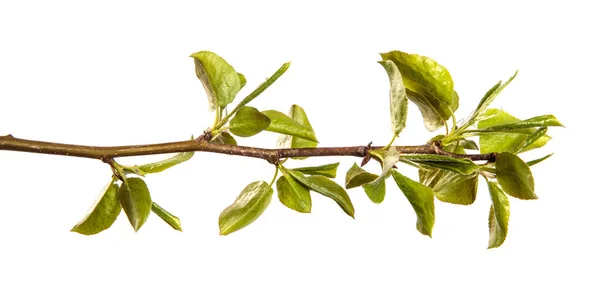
[118, 72]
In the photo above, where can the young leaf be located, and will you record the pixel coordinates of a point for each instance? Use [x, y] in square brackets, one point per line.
[499, 142]
[375, 190]
[169, 218]
[135, 200]
[485, 102]
[293, 194]
[103, 214]
[536, 161]
[327, 170]
[242, 80]
[499, 215]
[246, 208]
[248, 121]
[532, 138]
[538, 121]
[398, 99]
[428, 84]
[219, 79]
[283, 124]
[260, 89]
[157, 167]
[356, 176]
[326, 187]
[421, 199]
[461, 166]
[514, 176]
[297, 114]
[224, 138]
[450, 186]
[468, 144]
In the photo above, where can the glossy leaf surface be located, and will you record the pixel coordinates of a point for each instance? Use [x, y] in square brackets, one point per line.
[220, 80]
[328, 188]
[356, 176]
[327, 170]
[461, 166]
[421, 199]
[157, 167]
[246, 208]
[514, 176]
[103, 214]
[499, 142]
[293, 194]
[299, 116]
[281, 123]
[428, 84]
[169, 218]
[224, 138]
[135, 200]
[499, 216]
[248, 121]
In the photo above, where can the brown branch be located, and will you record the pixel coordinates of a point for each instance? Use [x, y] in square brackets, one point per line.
[105, 153]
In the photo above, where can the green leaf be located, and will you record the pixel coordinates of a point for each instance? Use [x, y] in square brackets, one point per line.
[246, 208]
[283, 124]
[242, 80]
[103, 214]
[157, 167]
[450, 186]
[538, 121]
[297, 114]
[532, 138]
[135, 201]
[293, 194]
[248, 121]
[499, 142]
[461, 166]
[468, 144]
[421, 199]
[327, 170]
[428, 84]
[485, 102]
[514, 176]
[536, 161]
[375, 190]
[356, 176]
[398, 98]
[224, 138]
[499, 215]
[220, 80]
[260, 89]
[169, 218]
[325, 187]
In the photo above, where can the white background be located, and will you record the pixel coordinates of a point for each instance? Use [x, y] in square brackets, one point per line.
[116, 73]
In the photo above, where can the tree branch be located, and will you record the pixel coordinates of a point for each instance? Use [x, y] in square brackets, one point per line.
[107, 153]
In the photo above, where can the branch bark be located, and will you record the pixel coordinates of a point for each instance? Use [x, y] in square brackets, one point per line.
[107, 153]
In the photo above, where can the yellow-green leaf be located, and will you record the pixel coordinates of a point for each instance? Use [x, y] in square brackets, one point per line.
[421, 199]
[103, 214]
[514, 176]
[428, 84]
[325, 187]
[499, 216]
[375, 190]
[327, 170]
[220, 80]
[135, 200]
[248, 121]
[169, 218]
[299, 115]
[398, 98]
[157, 167]
[461, 166]
[281, 123]
[293, 194]
[507, 141]
[246, 208]
[356, 176]
[450, 186]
